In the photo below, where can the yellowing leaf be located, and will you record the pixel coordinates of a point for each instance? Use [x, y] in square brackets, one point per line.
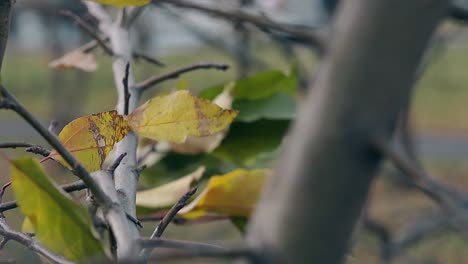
[75, 59]
[196, 145]
[91, 138]
[178, 115]
[60, 224]
[168, 194]
[121, 3]
[234, 194]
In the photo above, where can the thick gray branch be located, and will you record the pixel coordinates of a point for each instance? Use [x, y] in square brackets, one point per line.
[309, 208]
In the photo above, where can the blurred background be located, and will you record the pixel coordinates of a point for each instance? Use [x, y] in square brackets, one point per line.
[180, 37]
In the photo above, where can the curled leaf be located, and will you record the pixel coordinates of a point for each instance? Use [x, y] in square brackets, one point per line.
[168, 194]
[62, 225]
[176, 116]
[91, 138]
[234, 194]
[75, 59]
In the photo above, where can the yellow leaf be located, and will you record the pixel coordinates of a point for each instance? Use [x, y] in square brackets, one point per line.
[234, 194]
[75, 59]
[178, 115]
[168, 194]
[196, 145]
[61, 224]
[121, 3]
[91, 138]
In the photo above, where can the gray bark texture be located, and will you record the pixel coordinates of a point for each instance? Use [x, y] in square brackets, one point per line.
[309, 208]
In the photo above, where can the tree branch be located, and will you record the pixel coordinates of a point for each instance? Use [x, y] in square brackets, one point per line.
[172, 213]
[125, 85]
[143, 86]
[348, 107]
[88, 29]
[178, 244]
[159, 230]
[69, 187]
[125, 177]
[5, 13]
[9, 102]
[300, 33]
[29, 242]
[445, 197]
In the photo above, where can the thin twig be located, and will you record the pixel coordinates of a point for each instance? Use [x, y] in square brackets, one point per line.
[171, 75]
[125, 85]
[247, 254]
[133, 14]
[15, 145]
[299, 33]
[159, 230]
[172, 213]
[69, 187]
[88, 29]
[440, 193]
[179, 244]
[9, 102]
[138, 55]
[183, 221]
[116, 163]
[35, 149]
[27, 241]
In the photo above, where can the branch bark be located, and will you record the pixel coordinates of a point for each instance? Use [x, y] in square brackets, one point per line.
[5, 13]
[308, 211]
[125, 176]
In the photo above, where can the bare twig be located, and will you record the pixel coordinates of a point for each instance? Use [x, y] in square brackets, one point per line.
[300, 33]
[240, 253]
[5, 12]
[88, 29]
[27, 241]
[36, 149]
[70, 187]
[139, 169]
[178, 244]
[159, 230]
[138, 55]
[183, 221]
[2, 190]
[444, 196]
[133, 14]
[125, 85]
[15, 145]
[159, 79]
[9, 102]
[172, 213]
[116, 163]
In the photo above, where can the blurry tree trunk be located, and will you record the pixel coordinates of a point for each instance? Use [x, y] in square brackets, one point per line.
[309, 208]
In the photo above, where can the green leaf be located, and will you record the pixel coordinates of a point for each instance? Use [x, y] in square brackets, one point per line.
[258, 86]
[246, 141]
[277, 107]
[60, 224]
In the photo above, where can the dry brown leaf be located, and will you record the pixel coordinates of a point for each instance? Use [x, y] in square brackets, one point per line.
[75, 59]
